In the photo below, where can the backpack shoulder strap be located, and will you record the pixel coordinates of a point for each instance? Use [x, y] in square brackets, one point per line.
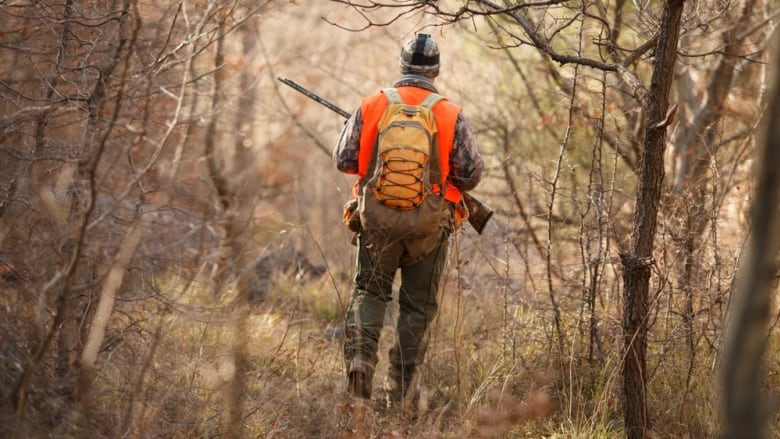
[435, 161]
[431, 100]
[392, 95]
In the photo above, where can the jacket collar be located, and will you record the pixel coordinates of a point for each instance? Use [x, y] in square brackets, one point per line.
[416, 81]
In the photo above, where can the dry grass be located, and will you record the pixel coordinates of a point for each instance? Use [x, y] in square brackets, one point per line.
[489, 373]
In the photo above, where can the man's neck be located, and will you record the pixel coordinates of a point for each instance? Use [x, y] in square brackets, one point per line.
[416, 81]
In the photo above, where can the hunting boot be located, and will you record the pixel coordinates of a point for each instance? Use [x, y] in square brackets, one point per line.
[364, 324]
[399, 390]
[359, 378]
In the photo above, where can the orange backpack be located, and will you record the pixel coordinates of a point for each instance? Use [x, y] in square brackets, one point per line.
[397, 196]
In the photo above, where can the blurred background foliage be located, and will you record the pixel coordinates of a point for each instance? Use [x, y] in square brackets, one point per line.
[171, 247]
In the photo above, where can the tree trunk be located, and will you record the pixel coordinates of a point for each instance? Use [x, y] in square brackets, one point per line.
[745, 411]
[235, 208]
[107, 298]
[637, 262]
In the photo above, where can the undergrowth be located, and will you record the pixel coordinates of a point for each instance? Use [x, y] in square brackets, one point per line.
[166, 368]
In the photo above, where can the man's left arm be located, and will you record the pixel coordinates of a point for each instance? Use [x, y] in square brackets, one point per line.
[466, 163]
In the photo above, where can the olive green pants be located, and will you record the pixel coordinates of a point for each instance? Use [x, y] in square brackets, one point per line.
[421, 263]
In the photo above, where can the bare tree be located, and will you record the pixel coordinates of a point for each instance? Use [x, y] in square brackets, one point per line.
[637, 262]
[95, 137]
[746, 412]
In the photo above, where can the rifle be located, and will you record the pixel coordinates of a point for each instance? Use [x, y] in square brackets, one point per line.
[478, 213]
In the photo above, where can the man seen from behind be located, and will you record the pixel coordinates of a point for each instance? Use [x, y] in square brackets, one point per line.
[421, 261]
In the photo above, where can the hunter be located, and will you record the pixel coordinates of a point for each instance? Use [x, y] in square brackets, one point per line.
[421, 261]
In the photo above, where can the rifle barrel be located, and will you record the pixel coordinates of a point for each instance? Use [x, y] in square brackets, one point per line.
[314, 96]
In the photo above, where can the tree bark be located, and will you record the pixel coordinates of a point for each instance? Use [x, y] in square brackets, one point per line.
[745, 411]
[638, 261]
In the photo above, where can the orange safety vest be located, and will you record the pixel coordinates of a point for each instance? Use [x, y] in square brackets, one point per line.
[446, 114]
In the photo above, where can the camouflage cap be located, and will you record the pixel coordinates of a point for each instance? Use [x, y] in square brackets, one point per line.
[420, 56]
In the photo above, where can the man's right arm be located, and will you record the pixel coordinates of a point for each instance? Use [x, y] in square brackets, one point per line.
[347, 150]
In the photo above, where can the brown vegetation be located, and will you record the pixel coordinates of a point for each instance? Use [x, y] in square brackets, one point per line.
[173, 262]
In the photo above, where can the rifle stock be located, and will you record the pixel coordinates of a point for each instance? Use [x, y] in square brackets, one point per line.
[478, 213]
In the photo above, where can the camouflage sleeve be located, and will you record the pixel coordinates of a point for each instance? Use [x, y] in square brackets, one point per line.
[466, 163]
[345, 153]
